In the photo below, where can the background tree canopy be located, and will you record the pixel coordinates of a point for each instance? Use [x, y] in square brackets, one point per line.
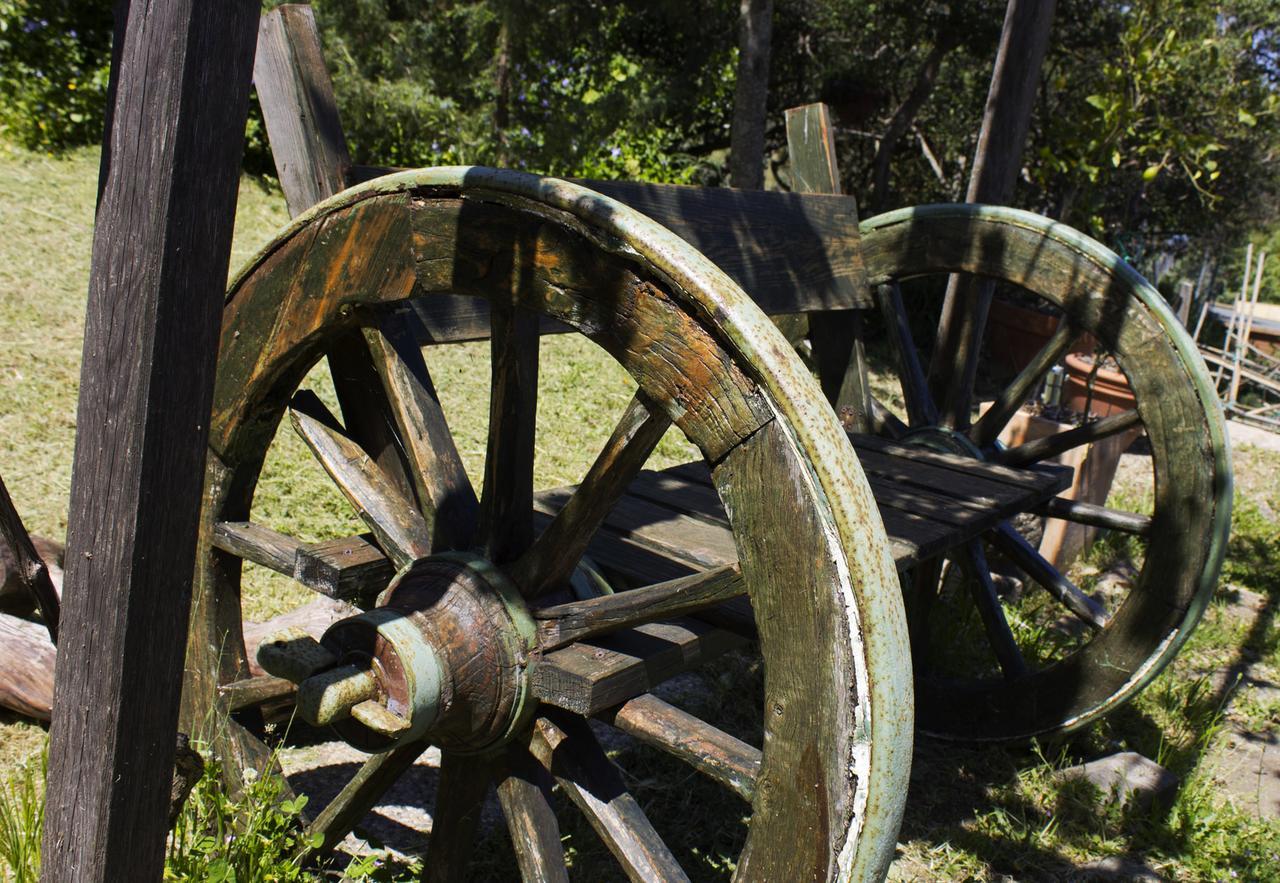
[1157, 123]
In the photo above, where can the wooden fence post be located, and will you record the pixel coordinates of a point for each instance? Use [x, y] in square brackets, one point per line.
[161, 246]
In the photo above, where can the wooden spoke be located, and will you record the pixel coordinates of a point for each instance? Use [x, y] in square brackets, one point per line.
[915, 388]
[590, 676]
[550, 561]
[925, 578]
[444, 492]
[1014, 545]
[29, 566]
[973, 563]
[535, 832]
[506, 505]
[566, 747]
[1097, 516]
[399, 527]
[464, 781]
[249, 692]
[1053, 445]
[730, 761]
[885, 422]
[359, 795]
[566, 623]
[1012, 397]
[365, 410]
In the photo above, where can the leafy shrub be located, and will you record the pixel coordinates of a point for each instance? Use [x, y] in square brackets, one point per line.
[21, 818]
[55, 57]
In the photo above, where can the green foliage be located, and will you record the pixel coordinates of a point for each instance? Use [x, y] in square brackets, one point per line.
[1158, 116]
[54, 61]
[21, 818]
[253, 836]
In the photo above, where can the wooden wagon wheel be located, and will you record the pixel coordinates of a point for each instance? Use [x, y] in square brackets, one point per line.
[451, 654]
[1058, 658]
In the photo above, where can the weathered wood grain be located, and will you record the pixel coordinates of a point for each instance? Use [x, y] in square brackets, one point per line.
[711, 751]
[567, 748]
[443, 491]
[257, 543]
[162, 238]
[558, 549]
[349, 568]
[27, 658]
[524, 794]
[791, 252]
[298, 107]
[399, 527]
[564, 623]
[464, 782]
[506, 500]
[596, 674]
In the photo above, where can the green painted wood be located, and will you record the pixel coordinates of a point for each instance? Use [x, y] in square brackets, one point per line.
[699, 350]
[1100, 295]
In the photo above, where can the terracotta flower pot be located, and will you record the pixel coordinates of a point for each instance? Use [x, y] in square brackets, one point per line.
[1015, 334]
[1111, 392]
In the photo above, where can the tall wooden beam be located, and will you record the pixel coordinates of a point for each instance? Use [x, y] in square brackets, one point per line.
[1011, 97]
[162, 242]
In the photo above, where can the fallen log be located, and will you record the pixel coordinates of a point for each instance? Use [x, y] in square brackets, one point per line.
[27, 655]
[26, 667]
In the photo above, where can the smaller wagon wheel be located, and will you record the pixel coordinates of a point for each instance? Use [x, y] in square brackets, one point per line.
[992, 665]
[457, 650]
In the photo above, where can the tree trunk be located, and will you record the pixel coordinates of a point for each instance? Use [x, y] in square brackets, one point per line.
[1011, 97]
[751, 95]
[904, 116]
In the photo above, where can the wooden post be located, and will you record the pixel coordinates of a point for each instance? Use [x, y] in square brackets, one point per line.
[751, 94]
[1010, 99]
[162, 242]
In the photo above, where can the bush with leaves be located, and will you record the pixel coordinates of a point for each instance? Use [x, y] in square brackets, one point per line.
[55, 57]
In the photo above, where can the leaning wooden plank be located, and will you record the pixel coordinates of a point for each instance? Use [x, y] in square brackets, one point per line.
[590, 676]
[692, 540]
[711, 751]
[26, 667]
[28, 567]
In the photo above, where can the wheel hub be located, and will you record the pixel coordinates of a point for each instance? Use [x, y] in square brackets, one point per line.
[944, 441]
[443, 655]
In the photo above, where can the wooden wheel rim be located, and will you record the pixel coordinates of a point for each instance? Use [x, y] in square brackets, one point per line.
[763, 418]
[1191, 463]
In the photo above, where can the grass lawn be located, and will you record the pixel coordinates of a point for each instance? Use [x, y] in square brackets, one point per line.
[981, 814]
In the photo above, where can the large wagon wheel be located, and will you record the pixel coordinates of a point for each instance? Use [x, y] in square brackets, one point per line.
[990, 668]
[448, 655]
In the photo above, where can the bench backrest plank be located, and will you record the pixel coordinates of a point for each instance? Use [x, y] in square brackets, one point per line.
[791, 252]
